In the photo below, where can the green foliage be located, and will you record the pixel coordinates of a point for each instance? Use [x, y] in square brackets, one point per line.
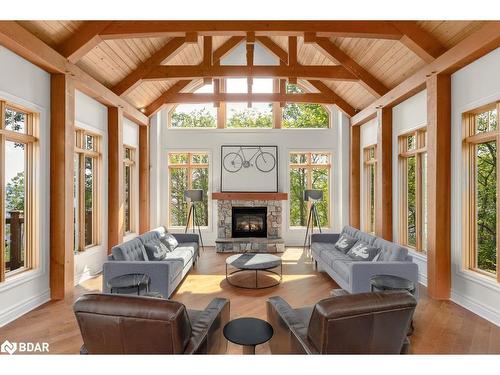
[15, 121]
[14, 193]
[411, 205]
[250, 118]
[198, 118]
[297, 115]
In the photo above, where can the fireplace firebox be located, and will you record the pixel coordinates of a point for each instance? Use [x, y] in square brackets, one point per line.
[249, 222]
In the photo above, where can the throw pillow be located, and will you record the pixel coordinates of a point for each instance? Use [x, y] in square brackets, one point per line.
[345, 243]
[363, 251]
[169, 241]
[156, 250]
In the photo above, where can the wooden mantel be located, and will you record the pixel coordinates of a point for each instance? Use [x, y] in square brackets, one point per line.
[250, 196]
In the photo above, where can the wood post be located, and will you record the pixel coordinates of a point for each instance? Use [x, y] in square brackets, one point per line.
[143, 179]
[62, 145]
[355, 178]
[115, 177]
[383, 215]
[439, 186]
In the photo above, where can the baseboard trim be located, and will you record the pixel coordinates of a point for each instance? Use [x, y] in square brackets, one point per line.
[476, 307]
[23, 307]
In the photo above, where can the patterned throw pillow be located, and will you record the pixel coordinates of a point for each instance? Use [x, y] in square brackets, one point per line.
[169, 241]
[363, 251]
[345, 243]
[156, 250]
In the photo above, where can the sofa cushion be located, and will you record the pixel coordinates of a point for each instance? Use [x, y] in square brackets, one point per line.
[363, 251]
[390, 251]
[330, 256]
[132, 250]
[345, 243]
[169, 241]
[318, 247]
[181, 254]
[156, 250]
[149, 236]
[190, 247]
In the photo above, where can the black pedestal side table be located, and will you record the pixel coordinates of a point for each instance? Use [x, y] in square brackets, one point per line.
[248, 332]
[132, 282]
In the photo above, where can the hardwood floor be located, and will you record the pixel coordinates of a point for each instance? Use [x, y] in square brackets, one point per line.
[441, 327]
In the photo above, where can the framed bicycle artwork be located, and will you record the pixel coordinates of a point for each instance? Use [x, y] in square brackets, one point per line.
[249, 169]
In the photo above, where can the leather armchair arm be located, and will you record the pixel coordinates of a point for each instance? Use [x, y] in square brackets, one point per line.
[207, 332]
[290, 332]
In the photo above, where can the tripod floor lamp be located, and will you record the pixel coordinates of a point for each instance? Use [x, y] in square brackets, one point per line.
[312, 196]
[192, 197]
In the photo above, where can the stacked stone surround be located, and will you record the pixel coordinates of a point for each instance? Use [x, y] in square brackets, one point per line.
[274, 226]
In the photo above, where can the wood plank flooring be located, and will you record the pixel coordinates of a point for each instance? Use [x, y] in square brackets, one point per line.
[441, 327]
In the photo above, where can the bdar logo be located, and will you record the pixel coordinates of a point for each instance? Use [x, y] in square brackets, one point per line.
[8, 347]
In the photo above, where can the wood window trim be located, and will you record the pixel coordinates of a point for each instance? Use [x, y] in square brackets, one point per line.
[403, 155]
[470, 139]
[96, 155]
[309, 167]
[31, 209]
[130, 163]
[368, 162]
[189, 166]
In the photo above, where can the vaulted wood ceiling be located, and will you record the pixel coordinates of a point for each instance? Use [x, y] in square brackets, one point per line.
[376, 62]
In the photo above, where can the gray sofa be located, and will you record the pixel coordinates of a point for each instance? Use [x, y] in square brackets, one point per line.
[354, 275]
[167, 274]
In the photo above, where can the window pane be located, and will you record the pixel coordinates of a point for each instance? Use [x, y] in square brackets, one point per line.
[15, 203]
[127, 198]
[88, 142]
[320, 182]
[240, 116]
[411, 204]
[424, 201]
[486, 121]
[178, 158]
[89, 200]
[411, 142]
[76, 201]
[128, 153]
[296, 158]
[199, 178]
[371, 153]
[15, 120]
[371, 198]
[486, 206]
[194, 116]
[320, 159]
[236, 86]
[304, 115]
[262, 85]
[298, 207]
[178, 184]
[200, 159]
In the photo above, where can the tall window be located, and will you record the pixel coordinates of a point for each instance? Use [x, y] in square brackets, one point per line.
[17, 140]
[309, 170]
[128, 167]
[370, 184]
[201, 115]
[304, 115]
[413, 190]
[481, 136]
[86, 182]
[187, 170]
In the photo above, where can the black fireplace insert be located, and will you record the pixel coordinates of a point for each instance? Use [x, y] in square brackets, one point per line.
[249, 222]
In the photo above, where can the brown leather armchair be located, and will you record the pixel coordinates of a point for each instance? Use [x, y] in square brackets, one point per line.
[124, 324]
[365, 323]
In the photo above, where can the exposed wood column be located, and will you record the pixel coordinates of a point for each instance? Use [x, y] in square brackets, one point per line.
[383, 220]
[143, 179]
[115, 177]
[355, 178]
[439, 183]
[62, 148]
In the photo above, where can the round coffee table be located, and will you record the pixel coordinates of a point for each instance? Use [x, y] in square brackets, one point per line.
[124, 284]
[254, 262]
[248, 332]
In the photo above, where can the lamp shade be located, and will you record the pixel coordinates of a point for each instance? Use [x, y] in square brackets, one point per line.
[195, 195]
[313, 195]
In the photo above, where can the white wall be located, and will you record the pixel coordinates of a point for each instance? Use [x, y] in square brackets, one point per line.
[407, 116]
[474, 85]
[334, 140]
[25, 84]
[93, 116]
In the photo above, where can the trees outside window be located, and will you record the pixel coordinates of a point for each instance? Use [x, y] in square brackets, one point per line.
[304, 115]
[86, 182]
[187, 170]
[128, 190]
[481, 136]
[370, 184]
[413, 189]
[195, 115]
[17, 140]
[309, 170]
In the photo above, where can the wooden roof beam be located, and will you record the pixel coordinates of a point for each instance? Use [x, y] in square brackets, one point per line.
[226, 48]
[373, 85]
[476, 45]
[165, 72]
[423, 44]
[337, 100]
[156, 105]
[170, 49]
[352, 29]
[83, 40]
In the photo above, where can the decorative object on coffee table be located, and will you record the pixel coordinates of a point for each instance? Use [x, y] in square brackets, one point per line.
[192, 197]
[254, 262]
[125, 284]
[312, 196]
[248, 332]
